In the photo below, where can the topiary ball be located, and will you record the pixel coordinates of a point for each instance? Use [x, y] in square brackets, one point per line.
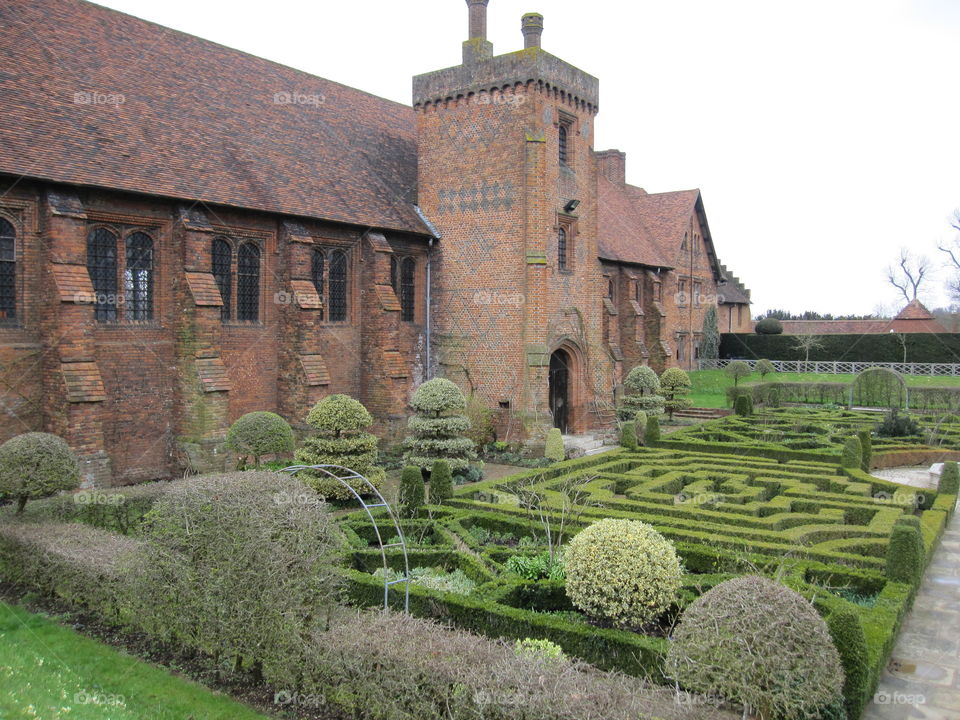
[339, 413]
[754, 642]
[35, 465]
[642, 380]
[260, 433]
[769, 326]
[622, 571]
[437, 397]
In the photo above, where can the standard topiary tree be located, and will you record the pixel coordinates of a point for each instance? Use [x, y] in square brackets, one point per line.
[852, 454]
[764, 368]
[554, 448]
[260, 433]
[411, 496]
[441, 482]
[710, 342]
[628, 435]
[674, 386]
[851, 644]
[652, 436]
[769, 326]
[36, 465]
[737, 370]
[437, 430]
[340, 440]
[743, 405]
[640, 420]
[905, 554]
[866, 449]
[754, 642]
[949, 479]
[640, 394]
[622, 571]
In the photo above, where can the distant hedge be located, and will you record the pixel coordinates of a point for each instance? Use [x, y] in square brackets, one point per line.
[921, 347]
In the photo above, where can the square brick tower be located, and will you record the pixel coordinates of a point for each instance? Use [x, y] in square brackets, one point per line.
[507, 174]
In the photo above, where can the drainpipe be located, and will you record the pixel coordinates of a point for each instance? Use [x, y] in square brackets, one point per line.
[427, 372]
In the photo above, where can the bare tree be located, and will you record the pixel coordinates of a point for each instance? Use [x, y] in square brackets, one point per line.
[909, 273]
[806, 343]
[952, 251]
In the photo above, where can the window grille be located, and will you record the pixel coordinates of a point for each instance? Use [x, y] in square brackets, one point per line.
[138, 277]
[248, 283]
[102, 266]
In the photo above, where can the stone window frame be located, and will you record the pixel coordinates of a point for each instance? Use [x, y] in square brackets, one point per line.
[226, 310]
[406, 292]
[16, 260]
[230, 311]
[568, 224]
[566, 138]
[122, 228]
[327, 250]
[257, 296]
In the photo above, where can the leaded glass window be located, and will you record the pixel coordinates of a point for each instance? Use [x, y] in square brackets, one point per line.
[248, 283]
[102, 266]
[138, 277]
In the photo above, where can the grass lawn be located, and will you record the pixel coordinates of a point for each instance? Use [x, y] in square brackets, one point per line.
[710, 386]
[48, 671]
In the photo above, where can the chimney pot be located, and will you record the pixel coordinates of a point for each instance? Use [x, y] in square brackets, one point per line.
[532, 27]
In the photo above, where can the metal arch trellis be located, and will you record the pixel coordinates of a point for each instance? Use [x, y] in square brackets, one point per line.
[334, 472]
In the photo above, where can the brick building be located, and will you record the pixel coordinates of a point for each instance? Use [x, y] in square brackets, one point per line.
[189, 233]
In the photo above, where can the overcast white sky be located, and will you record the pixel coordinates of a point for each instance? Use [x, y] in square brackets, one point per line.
[823, 134]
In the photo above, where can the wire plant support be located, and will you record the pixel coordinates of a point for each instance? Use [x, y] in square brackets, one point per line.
[344, 476]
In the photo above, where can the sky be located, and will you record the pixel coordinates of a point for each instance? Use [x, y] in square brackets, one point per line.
[823, 135]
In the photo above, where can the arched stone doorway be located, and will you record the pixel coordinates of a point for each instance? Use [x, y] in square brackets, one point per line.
[561, 365]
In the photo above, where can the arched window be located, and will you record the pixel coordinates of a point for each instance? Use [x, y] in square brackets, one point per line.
[338, 286]
[102, 266]
[395, 274]
[683, 245]
[637, 292]
[408, 271]
[222, 258]
[610, 288]
[316, 273]
[562, 249]
[248, 283]
[138, 277]
[563, 144]
[8, 273]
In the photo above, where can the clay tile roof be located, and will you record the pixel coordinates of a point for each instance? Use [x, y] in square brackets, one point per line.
[95, 97]
[915, 310]
[622, 234]
[667, 215]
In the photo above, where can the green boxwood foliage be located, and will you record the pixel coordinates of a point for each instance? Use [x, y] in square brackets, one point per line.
[258, 434]
[622, 571]
[743, 406]
[866, 449]
[340, 440]
[674, 386]
[764, 367]
[755, 642]
[949, 479]
[710, 342]
[905, 554]
[441, 482]
[640, 420]
[652, 435]
[554, 449]
[36, 465]
[640, 394]
[852, 454]
[437, 430]
[851, 643]
[737, 370]
[411, 497]
[628, 435]
[234, 565]
[769, 326]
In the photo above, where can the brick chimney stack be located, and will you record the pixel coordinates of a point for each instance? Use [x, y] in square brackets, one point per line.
[612, 164]
[477, 47]
[532, 27]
